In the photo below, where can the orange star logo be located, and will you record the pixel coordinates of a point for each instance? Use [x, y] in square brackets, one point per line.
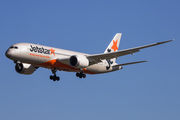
[114, 47]
[52, 51]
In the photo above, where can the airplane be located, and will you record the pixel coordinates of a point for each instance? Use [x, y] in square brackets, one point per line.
[28, 57]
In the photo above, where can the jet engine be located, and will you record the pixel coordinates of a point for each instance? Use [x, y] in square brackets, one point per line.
[24, 68]
[79, 61]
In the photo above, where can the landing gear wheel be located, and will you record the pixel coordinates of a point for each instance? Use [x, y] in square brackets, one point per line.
[81, 75]
[51, 77]
[77, 74]
[57, 78]
[84, 75]
[54, 78]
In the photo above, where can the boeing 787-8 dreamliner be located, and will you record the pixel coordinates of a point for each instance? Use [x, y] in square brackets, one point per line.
[28, 57]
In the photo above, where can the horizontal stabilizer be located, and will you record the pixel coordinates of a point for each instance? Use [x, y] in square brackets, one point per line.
[130, 63]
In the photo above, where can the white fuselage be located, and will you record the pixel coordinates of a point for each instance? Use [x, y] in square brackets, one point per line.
[47, 57]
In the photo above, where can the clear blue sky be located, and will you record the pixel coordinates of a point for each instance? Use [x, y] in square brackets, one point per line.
[147, 91]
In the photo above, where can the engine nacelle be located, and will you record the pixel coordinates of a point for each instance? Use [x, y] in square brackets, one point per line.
[24, 68]
[79, 61]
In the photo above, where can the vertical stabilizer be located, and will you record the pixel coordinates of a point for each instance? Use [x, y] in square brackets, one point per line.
[114, 46]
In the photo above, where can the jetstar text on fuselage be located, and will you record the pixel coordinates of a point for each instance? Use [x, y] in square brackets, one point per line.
[40, 50]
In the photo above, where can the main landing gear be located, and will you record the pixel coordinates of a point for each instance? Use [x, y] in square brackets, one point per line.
[54, 78]
[81, 75]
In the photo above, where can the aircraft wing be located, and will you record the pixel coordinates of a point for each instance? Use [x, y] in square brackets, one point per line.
[98, 57]
[64, 60]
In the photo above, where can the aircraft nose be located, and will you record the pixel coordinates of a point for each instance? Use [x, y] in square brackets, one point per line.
[8, 54]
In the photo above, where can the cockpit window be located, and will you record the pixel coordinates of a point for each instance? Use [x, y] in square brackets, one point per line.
[13, 47]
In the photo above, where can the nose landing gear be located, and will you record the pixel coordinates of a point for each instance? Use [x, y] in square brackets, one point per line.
[54, 77]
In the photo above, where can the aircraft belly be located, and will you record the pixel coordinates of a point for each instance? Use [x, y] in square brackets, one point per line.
[52, 62]
[97, 68]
